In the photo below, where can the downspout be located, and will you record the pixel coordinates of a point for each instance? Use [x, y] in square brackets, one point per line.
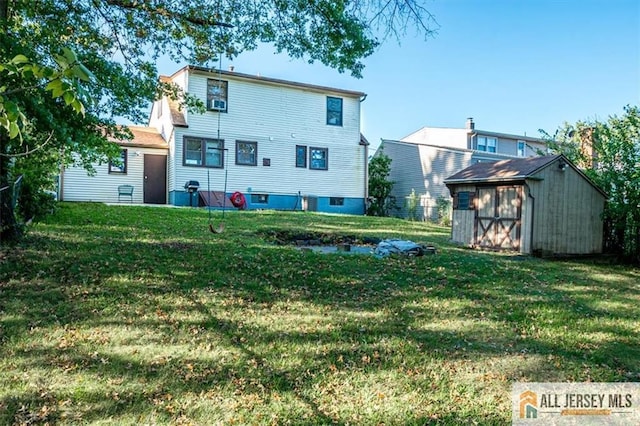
[366, 175]
[365, 144]
[471, 135]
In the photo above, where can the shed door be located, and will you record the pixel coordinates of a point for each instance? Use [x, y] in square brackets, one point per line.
[155, 179]
[498, 213]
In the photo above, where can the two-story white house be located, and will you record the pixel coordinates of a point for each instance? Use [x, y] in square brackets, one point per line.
[422, 161]
[282, 144]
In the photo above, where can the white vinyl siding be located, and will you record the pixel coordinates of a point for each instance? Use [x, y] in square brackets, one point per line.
[277, 118]
[103, 187]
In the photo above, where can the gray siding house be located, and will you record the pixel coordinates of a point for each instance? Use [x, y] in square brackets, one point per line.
[422, 160]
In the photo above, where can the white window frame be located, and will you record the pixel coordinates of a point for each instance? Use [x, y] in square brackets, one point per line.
[485, 145]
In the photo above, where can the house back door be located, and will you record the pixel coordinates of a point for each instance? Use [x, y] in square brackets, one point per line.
[498, 217]
[155, 179]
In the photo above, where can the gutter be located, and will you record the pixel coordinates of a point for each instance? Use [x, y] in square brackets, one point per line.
[471, 135]
[365, 143]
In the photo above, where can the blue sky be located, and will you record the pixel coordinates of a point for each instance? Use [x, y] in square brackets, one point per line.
[515, 66]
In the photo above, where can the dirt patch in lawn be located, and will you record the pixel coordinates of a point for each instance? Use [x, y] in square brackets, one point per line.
[283, 237]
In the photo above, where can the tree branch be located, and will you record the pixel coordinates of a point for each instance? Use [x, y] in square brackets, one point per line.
[28, 151]
[127, 4]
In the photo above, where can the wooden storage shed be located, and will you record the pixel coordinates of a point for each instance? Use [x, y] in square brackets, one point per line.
[537, 205]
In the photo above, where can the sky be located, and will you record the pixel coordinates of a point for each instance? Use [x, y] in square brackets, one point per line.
[515, 66]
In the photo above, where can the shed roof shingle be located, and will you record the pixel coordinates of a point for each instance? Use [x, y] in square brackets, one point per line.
[514, 169]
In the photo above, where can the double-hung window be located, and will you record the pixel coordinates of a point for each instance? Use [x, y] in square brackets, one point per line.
[521, 149]
[217, 95]
[247, 153]
[120, 165]
[318, 158]
[203, 152]
[334, 111]
[487, 144]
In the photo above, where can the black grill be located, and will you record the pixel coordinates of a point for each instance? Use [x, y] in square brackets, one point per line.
[192, 187]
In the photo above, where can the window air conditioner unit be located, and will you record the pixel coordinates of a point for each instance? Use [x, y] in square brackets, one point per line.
[217, 104]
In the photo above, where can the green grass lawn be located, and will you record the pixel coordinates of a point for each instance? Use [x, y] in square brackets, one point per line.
[140, 315]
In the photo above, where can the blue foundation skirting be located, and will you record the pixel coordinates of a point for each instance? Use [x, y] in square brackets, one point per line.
[268, 201]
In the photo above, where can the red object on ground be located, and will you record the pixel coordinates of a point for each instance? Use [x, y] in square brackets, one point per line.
[238, 200]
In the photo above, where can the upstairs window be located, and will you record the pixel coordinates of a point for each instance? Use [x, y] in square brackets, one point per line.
[120, 165]
[247, 153]
[334, 111]
[318, 158]
[522, 149]
[487, 144]
[203, 152]
[217, 95]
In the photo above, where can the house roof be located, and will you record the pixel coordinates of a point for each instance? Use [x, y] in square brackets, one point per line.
[241, 76]
[145, 137]
[177, 117]
[517, 169]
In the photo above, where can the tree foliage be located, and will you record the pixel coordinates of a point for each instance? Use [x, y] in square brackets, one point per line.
[379, 185]
[119, 41]
[609, 153]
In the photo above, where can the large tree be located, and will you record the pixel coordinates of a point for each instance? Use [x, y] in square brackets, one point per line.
[119, 41]
[609, 152]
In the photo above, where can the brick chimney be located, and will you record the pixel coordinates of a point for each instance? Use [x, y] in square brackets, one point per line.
[470, 124]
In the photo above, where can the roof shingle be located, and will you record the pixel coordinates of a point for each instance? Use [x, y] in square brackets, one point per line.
[145, 137]
[514, 169]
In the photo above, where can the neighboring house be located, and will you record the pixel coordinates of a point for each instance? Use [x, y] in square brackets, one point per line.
[143, 165]
[422, 160]
[540, 205]
[283, 144]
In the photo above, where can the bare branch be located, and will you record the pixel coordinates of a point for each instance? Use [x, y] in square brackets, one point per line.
[29, 151]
